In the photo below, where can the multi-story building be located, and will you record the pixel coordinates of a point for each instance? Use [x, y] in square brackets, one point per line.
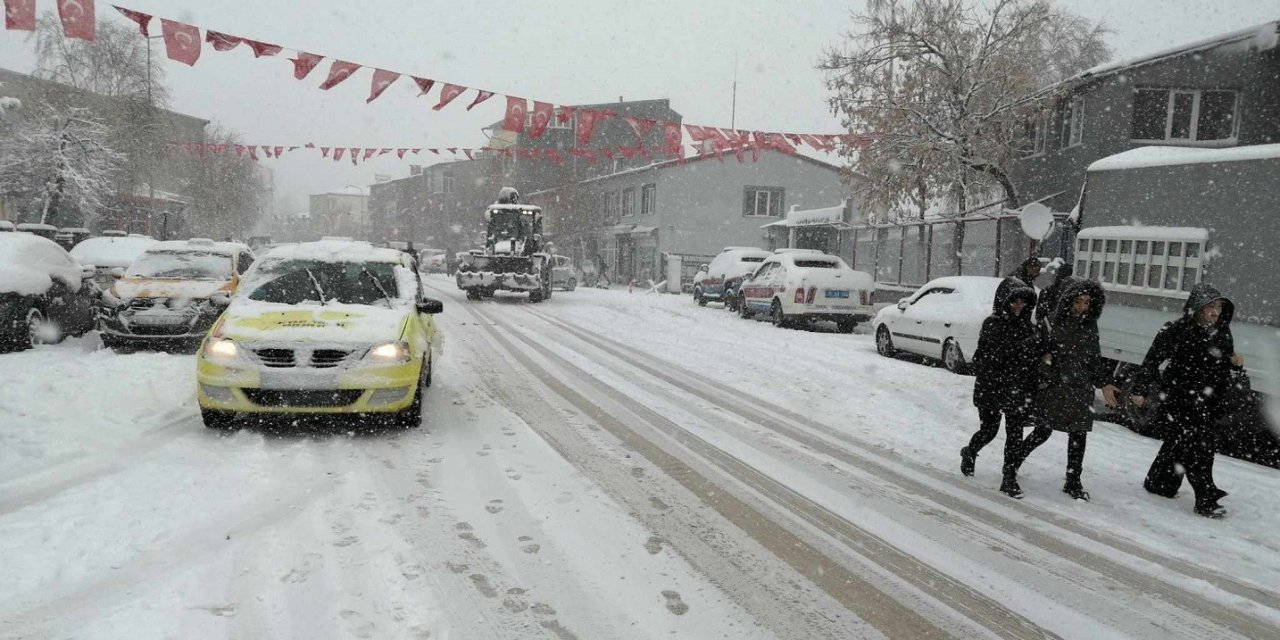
[344, 212]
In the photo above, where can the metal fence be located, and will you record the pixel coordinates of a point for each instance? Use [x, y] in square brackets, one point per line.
[907, 255]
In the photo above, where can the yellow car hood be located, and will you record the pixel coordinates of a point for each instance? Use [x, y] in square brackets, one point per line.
[333, 323]
[126, 288]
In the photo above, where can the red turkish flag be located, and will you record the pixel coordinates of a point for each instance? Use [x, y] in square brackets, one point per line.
[337, 153]
[468, 154]
[368, 153]
[324, 152]
[261, 49]
[640, 125]
[606, 152]
[400, 153]
[239, 149]
[565, 114]
[514, 120]
[143, 20]
[267, 150]
[20, 15]
[78, 19]
[542, 112]
[828, 141]
[813, 141]
[447, 95]
[381, 80]
[672, 137]
[280, 151]
[424, 85]
[181, 41]
[221, 41]
[481, 96]
[304, 63]
[217, 149]
[355, 153]
[253, 153]
[586, 125]
[340, 70]
[554, 156]
[415, 151]
[435, 151]
[795, 139]
[453, 150]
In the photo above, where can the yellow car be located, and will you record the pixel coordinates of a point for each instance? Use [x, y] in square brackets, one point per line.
[330, 327]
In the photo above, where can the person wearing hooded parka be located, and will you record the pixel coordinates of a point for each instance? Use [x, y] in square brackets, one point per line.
[1192, 364]
[1071, 369]
[1024, 276]
[1005, 376]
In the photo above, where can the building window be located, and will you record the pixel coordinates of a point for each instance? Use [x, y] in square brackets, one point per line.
[448, 183]
[1037, 135]
[1162, 261]
[1189, 115]
[628, 202]
[763, 201]
[648, 199]
[1072, 123]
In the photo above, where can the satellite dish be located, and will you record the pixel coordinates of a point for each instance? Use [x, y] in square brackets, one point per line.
[1037, 221]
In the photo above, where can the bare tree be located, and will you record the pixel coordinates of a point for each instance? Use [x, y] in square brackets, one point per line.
[58, 163]
[228, 191]
[117, 64]
[948, 86]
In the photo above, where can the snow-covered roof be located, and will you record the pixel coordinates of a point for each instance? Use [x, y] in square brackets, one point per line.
[1167, 234]
[36, 226]
[822, 217]
[335, 251]
[1263, 37]
[1163, 156]
[349, 190]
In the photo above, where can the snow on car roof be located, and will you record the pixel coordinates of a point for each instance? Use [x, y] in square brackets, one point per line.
[336, 251]
[198, 245]
[110, 251]
[978, 289]
[29, 262]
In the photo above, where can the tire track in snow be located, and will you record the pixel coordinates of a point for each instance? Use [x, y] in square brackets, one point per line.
[38, 486]
[856, 593]
[783, 421]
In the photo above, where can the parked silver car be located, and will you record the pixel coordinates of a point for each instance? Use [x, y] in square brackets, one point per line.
[563, 273]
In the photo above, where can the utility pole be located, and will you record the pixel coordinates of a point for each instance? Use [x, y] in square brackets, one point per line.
[733, 109]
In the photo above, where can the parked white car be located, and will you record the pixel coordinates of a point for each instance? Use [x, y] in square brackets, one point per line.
[798, 287]
[110, 256]
[941, 320]
[726, 273]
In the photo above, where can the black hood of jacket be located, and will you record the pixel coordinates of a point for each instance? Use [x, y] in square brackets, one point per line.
[1074, 287]
[1201, 295]
[1023, 270]
[1019, 291]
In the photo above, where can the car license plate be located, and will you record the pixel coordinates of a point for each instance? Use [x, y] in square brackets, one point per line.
[295, 379]
[836, 293]
[157, 320]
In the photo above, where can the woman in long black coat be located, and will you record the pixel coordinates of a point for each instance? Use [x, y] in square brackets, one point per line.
[1200, 366]
[1004, 365]
[1071, 370]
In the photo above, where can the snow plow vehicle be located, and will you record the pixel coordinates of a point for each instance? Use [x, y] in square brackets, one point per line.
[512, 258]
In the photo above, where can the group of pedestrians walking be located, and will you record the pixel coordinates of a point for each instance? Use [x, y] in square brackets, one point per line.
[1039, 363]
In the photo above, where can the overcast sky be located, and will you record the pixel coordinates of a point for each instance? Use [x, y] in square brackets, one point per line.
[566, 51]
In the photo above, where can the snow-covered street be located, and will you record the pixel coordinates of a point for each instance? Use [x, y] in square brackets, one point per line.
[601, 465]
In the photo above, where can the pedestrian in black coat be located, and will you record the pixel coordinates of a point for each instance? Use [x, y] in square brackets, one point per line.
[1071, 369]
[1025, 276]
[1193, 365]
[1005, 368]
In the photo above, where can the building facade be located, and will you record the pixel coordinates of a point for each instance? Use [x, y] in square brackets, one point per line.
[341, 213]
[626, 221]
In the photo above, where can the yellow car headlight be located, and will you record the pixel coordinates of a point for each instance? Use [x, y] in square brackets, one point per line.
[221, 350]
[389, 353]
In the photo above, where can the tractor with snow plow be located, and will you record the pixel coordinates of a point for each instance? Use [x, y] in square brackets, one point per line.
[512, 258]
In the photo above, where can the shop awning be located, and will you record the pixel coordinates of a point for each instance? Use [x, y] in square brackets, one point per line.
[631, 229]
[827, 217]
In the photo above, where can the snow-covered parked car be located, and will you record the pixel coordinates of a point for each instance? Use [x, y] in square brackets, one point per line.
[725, 275]
[321, 328]
[698, 278]
[172, 293]
[563, 274]
[45, 295]
[941, 320]
[797, 287]
[110, 257]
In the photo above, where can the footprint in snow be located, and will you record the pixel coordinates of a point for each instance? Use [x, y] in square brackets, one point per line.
[654, 545]
[675, 604]
[347, 541]
[512, 475]
[494, 506]
[482, 585]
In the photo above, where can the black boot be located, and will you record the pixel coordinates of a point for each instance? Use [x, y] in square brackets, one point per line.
[1160, 491]
[1212, 510]
[967, 460]
[1010, 487]
[1074, 489]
